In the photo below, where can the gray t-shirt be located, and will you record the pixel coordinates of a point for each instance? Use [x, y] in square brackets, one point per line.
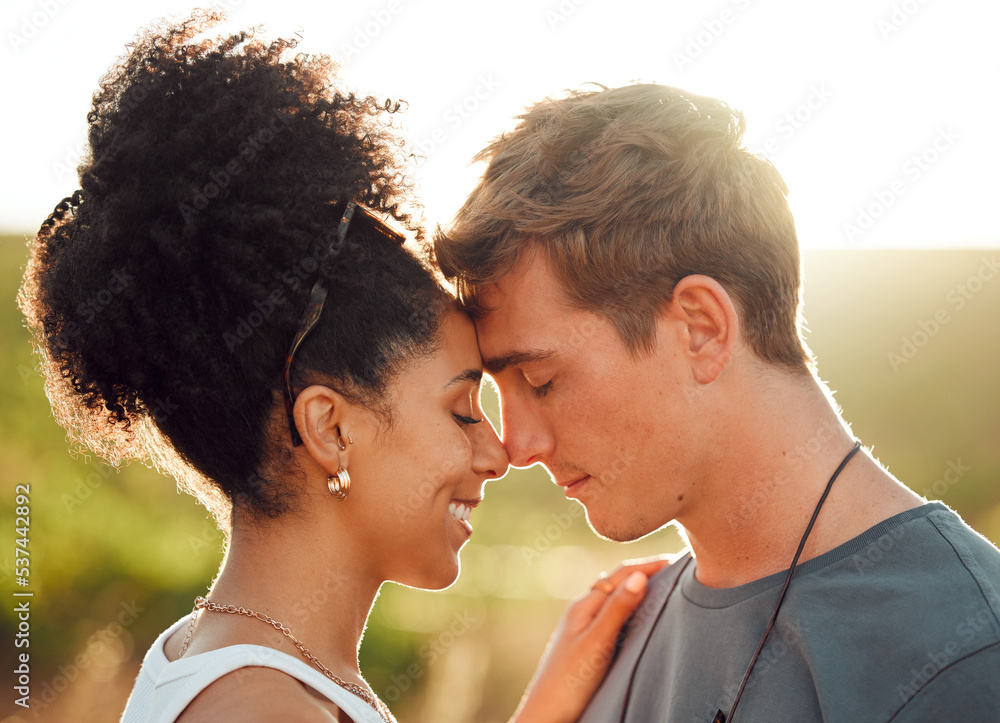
[899, 624]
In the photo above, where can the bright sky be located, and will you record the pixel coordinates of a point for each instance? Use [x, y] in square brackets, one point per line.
[880, 114]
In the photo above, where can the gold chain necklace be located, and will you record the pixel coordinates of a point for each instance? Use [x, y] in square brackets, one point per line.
[201, 603]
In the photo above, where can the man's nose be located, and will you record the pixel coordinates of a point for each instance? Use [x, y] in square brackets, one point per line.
[491, 457]
[524, 435]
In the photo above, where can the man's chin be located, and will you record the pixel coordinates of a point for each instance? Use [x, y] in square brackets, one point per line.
[618, 528]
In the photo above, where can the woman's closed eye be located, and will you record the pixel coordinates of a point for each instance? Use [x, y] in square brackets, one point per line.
[467, 400]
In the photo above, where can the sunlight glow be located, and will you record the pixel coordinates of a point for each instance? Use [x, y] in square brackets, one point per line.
[842, 98]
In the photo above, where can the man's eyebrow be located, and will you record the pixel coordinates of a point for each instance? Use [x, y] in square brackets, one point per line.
[469, 375]
[495, 365]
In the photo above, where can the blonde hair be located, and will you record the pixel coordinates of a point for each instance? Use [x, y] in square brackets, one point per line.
[628, 190]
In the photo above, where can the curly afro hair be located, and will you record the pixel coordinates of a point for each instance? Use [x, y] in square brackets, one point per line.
[165, 293]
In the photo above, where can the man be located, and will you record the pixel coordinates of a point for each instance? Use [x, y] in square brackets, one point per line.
[634, 277]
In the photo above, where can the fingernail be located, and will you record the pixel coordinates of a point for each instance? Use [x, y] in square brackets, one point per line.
[635, 582]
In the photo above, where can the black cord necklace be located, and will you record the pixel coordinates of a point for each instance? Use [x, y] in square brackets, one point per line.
[721, 717]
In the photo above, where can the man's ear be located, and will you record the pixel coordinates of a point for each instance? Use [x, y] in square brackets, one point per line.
[321, 416]
[709, 323]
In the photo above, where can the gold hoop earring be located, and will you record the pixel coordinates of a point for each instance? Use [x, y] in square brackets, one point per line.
[340, 442]
[339, 484]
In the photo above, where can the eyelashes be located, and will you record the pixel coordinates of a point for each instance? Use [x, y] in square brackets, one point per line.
[467, 420]
[541, 391]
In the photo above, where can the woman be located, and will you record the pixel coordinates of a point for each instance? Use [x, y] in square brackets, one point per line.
[222, 298]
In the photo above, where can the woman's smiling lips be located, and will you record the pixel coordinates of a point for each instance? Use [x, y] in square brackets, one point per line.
[461, 510]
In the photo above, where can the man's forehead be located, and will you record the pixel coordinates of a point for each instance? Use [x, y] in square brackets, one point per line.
[508, 323]
[523, 311]
[529, 286]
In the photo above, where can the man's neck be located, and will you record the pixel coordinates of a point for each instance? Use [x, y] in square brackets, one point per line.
[763, 490]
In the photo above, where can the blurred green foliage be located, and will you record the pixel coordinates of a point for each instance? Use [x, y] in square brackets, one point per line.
[104, 542]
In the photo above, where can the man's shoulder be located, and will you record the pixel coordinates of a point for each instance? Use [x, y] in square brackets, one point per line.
[960, 690]
[885, 618]
[608, 702]
[924, 588]
[928, 551]
[977, 554]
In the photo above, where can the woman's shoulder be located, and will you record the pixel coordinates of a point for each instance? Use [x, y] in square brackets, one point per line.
[259, 695]
[256, 684]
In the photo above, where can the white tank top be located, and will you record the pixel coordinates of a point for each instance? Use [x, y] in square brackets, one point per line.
[164, 689]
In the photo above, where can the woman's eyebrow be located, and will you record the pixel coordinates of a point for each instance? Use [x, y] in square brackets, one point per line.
[469, 375]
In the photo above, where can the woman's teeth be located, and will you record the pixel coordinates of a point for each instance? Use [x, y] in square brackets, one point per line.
[460, 511]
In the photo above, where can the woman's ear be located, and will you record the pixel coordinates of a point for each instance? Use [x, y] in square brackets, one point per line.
[710, 324]
[320, 413]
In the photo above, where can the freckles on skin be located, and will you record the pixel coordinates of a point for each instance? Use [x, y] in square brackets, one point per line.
[445, 467]
[417, 535]
[619, 417]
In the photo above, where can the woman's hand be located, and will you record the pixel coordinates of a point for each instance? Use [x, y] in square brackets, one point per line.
[583, 645]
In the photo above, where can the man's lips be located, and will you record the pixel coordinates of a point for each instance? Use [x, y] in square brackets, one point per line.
[571, 482]
[574, 486]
